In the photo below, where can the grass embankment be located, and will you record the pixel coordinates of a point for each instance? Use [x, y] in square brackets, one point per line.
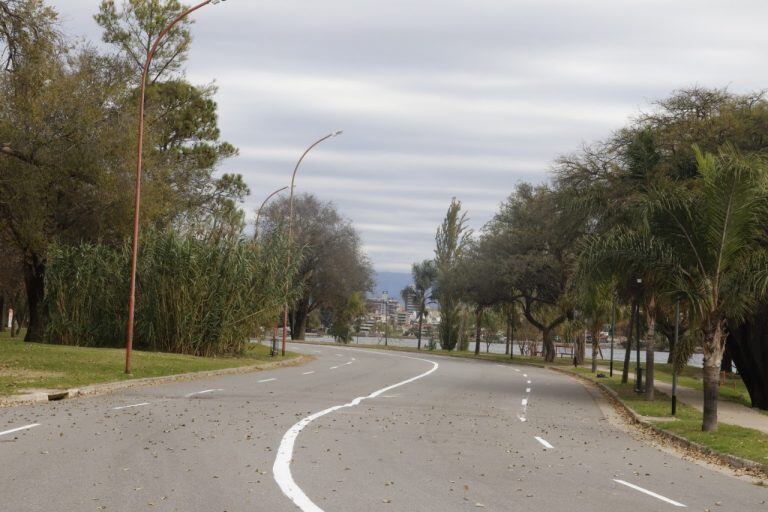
[731, 439]
[35, 365]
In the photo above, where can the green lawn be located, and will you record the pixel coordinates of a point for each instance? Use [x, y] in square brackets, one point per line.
[35, 365]
[731, 439]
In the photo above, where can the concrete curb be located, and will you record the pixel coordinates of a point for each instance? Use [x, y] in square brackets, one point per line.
[112, 387]
[681, 442]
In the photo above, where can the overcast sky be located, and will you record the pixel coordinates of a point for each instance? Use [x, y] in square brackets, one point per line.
[444, 98]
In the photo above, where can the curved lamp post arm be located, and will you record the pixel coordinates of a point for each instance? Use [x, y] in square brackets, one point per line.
[137, 196]
[258, 212]
[290, 224]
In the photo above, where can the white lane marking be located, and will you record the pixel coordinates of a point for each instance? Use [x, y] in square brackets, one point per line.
[203, 392]
[267, 380]
[308, 373]
[353, 359]
[544, 442]
[525, 401]
[528, 382]
[333, 367]
[281, 470]
[525, 375]
[348, 362]
[518, 371]
[129, 406]
[18, 429]
[527, 390]
[649, 493]
[521, 418]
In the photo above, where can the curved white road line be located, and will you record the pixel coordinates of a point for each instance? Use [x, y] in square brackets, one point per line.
[281, 470]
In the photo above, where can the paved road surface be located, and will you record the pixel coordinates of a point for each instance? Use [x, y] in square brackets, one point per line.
[455, 435]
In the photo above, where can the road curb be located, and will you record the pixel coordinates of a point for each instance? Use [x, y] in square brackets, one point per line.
[112, 387]
[681, 442]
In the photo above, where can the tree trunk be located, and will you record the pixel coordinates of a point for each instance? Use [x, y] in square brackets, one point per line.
[418, 344]
[711, 382]
[549, 346]
[478, 329]
[509, 339]
[3, 314]
[628, 348]
[595, 341]
[748, 345]
[34, 281]
[650, 313]
[299, 323]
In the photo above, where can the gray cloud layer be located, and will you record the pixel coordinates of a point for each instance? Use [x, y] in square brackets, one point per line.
[445, 98]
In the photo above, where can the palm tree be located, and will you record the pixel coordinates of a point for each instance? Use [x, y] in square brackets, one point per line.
[424, 275]
[705, 240]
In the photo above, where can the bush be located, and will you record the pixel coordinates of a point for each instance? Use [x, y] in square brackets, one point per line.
[194, 295]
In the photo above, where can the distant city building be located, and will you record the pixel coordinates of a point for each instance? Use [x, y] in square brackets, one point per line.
[411, 304]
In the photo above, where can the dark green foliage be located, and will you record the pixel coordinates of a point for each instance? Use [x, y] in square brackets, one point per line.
[195, 296]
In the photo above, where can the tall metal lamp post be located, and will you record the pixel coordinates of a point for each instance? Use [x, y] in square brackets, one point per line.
[386, 317]
[674, 356]
[639, 370]
[137, 198]
[290, 225]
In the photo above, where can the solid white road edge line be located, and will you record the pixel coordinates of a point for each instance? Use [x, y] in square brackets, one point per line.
[281, 470]
[267, 380]
[129, 406]
[25, 427]
[308, 373]
[649, 493]
[544, 442]
[202, 392]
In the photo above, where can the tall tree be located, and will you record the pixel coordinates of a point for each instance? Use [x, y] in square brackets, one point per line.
[451, 239]
[332, 264]
[424, 275]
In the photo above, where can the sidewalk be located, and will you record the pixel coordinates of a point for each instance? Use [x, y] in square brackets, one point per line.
[727, 412]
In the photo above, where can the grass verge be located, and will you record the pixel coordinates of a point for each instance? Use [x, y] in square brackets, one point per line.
[730, 439]
[35, 365]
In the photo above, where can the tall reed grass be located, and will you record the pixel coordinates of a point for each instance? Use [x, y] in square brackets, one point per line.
[201, 296]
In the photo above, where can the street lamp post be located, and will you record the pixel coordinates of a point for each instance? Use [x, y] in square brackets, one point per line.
[639, 374]
[613, 328]
[137, 196]
[290, 225]
[674, 357]
[258, 212]
[386, 317]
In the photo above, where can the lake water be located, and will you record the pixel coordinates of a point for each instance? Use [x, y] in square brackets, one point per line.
[696, 360]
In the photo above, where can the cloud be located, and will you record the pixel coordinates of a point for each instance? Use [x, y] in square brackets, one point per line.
[444, 98]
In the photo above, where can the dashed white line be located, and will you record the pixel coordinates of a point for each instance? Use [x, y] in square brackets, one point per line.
[333, 367]
[281, 470]
[203, 392]
[267, 380]
[544, 442]
[525, 375]
[528, 382]
[518, 371]
[525, 401]
[18, 429]
[348, 362]
[527, 390]
[129, 406]
[308, 373]
[649, 493]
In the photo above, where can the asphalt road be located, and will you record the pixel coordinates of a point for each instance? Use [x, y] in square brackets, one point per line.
[351, 431]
